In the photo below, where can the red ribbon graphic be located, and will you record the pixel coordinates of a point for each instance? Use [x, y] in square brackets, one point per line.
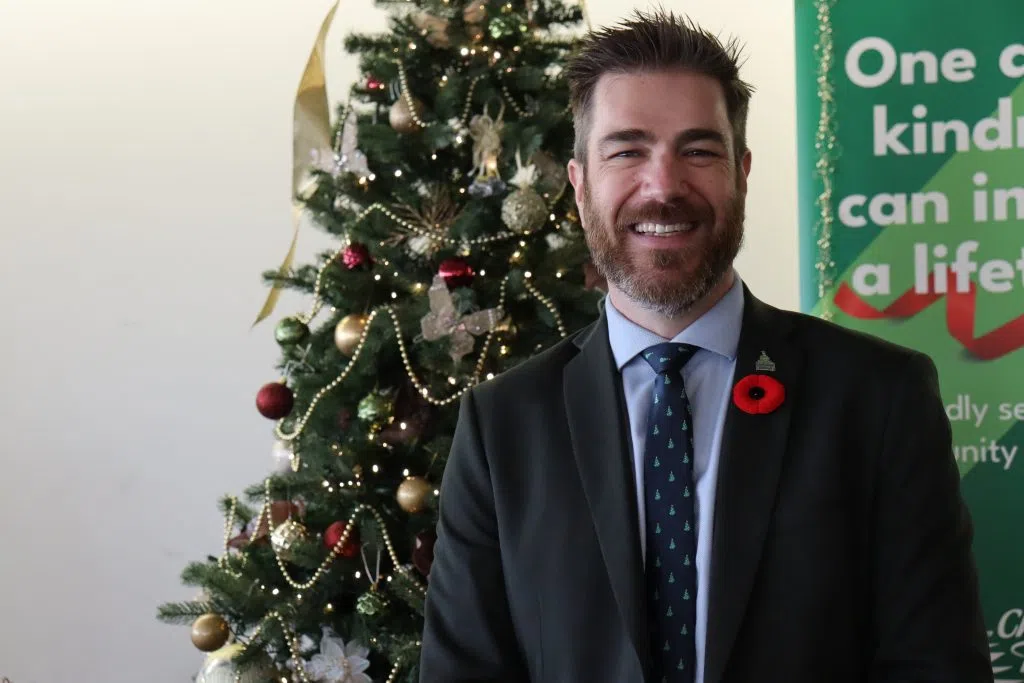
[960, 317]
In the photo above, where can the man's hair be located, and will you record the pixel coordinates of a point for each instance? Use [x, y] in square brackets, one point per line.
[650, 42]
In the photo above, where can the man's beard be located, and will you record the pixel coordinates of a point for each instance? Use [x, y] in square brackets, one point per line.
[658, 279]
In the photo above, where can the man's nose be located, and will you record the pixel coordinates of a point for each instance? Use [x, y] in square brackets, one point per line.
[665, 178]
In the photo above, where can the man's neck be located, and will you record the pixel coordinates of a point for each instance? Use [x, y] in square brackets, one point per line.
[664, 326]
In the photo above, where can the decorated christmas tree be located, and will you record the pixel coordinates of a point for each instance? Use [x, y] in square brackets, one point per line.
[459, 255]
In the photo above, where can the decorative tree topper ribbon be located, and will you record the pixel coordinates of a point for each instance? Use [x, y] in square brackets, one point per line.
[311, 141]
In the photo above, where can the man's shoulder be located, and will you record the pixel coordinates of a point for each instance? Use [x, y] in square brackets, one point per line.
[536, 376]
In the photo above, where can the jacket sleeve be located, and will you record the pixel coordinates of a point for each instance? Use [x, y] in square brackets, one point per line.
[928, 623]
[468, 632]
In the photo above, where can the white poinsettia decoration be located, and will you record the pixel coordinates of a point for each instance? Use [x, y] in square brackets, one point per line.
[338, 662]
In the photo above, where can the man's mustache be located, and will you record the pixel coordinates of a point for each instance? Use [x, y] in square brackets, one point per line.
[658, 212]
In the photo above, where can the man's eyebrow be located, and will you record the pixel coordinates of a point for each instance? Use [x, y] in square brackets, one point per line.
[627, 135]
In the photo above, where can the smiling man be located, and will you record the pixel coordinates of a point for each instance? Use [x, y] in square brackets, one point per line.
[699, 487]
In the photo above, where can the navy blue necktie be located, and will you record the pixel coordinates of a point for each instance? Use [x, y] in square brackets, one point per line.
[669, 493]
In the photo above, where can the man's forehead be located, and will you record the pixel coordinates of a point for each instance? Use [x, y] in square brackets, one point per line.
[660, 99]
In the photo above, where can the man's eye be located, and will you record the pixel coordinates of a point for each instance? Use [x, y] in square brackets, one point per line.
[624, 154]
[700, 153]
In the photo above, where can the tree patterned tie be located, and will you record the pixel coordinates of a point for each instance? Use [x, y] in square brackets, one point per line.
[669, 494]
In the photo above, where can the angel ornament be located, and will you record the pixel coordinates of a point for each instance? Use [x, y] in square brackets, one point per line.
[444, 321]
[486, 133]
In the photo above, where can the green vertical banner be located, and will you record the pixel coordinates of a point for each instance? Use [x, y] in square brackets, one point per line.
[911, 166]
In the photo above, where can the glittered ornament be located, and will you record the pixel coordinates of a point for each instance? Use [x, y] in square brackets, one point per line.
[456, 273]
[375, 407]
[275, 400]
[356, 256]
[220, 667]
[349, 332]
[423, 551]
[372, 603]
[286, 536]
[210, 632]
[333, 534]
[401, 117]
[291, 331]
[524, 210]
[279, 512]
[412, 494]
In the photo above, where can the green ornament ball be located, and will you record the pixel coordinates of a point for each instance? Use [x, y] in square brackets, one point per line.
[291, 331]
[500, 27]
[371, 604]
[375, 407]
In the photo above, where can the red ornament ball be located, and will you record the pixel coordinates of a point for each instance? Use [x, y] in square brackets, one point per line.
[374, 84]
[356, 256]
[334, 533]
[275, 400]
[423, 551]
[456, 273]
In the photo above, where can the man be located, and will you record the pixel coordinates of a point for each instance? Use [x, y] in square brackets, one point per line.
[698, 487]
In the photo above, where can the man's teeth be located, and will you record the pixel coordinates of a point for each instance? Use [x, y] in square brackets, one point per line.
[660, 229]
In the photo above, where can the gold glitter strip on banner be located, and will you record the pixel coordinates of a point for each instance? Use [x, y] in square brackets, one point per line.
[825, 146]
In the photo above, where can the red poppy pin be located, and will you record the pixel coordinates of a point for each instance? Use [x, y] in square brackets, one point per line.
[759, 394]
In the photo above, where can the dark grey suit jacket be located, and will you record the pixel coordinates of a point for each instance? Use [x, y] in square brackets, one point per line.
[841, 549]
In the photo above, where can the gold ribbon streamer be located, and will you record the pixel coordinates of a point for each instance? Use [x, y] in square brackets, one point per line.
[311, 139]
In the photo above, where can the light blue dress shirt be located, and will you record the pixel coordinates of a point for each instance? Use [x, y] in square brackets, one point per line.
[708, 378]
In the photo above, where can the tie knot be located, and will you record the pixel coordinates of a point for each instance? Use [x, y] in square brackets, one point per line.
[670, 357]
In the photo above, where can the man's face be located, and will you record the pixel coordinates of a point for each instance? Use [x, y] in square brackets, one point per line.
[661, 196]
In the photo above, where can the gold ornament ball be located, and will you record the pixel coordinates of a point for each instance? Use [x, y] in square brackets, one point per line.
[401, 117]
[412, 494]
[210, 632]
[284, 538]
[524, 210]
[349, 331]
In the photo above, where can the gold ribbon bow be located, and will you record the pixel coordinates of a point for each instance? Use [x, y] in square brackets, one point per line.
[311, 142]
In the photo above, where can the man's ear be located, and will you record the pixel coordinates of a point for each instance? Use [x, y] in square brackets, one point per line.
[743, 171]
[577, 176]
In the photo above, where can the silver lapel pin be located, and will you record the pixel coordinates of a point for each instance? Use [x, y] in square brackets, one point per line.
[764, 363]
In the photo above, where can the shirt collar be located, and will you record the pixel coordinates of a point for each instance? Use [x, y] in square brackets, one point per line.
[717, 331]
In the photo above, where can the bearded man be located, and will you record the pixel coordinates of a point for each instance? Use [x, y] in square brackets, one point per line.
[699, 487]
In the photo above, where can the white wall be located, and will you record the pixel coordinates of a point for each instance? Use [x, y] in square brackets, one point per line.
[144, 170]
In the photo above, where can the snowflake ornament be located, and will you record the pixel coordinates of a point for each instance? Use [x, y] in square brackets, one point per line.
[338, 662]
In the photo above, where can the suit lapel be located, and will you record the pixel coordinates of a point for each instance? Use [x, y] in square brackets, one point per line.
[753, 448]
[596, 412]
